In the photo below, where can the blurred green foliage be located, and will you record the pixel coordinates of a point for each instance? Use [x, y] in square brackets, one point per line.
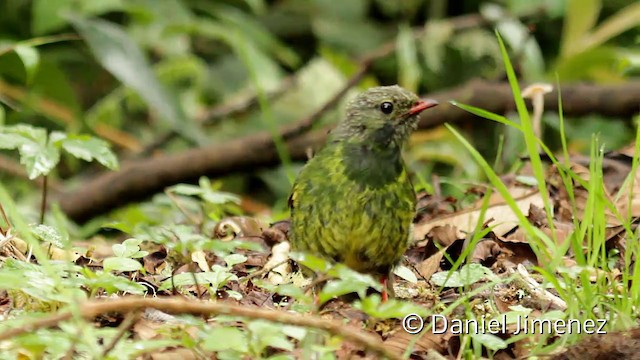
[132, 71]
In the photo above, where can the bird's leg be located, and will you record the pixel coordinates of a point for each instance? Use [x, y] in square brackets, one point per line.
[385, 294]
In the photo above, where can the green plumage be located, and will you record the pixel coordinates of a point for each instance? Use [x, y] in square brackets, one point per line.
[353, 202]
[342, 214]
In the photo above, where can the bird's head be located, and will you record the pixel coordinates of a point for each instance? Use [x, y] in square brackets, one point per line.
[382, 116]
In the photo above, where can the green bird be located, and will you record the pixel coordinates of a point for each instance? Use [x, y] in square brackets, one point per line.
[353, 202]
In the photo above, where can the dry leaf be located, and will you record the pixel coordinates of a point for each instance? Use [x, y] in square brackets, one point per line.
[484, 251]
[400, 340]
[154, 262]
[444, 235]
[465, 221]
[200, 258]
[430, 265]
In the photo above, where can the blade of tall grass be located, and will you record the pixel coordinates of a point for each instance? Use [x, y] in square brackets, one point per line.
[529, 136]
[502, 190]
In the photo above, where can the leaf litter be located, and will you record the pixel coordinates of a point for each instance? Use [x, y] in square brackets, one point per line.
[461, 269]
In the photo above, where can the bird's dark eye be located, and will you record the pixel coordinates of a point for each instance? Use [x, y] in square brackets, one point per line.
[386, 107]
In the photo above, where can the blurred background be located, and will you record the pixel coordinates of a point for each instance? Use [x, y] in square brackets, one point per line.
[159, 77]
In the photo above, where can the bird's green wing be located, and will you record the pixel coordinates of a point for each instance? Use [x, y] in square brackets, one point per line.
[292, 197]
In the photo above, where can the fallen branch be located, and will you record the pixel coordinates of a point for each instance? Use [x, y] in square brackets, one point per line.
[91, 309]
[620, 100]
[538, 292]
[141, 178]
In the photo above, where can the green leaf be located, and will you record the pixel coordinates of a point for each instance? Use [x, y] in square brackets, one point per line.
[111, 283]
[490, 341]
[266, 334]
[253, 30]
[46, 15]
[346, 273]
[516, 314]
[30, 59]
[129, 248]
[554, 315]
[467, 275]
[335, 288]
[37, 281]
[234, 259]
[88, 148]
[49, 15]
[226, 338]
[350, 281]
[296, 332]
[215, 278]
[257, 6]
[580, 17]
[107, 110]
[38, 159]
[392, 309]
[11, 141]
[123, 58]
[593, 65]
[119, 250]
[120, 264]
[285, 290]
[11, 280]
[315, 263]
[186, 189]
[49, 234]
[220, 197]
[38, 154]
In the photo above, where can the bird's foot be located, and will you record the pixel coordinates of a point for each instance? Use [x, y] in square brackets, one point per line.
[385, 293]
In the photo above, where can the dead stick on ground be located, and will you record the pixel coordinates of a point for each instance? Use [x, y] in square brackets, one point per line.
[90, 310]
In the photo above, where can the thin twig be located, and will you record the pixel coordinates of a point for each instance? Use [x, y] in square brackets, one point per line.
[317, 281]
[6, 221]
[124, 326]
[262, 271]
[91, 309]
[213, 115]
[174, 199]
[195, 282]
[307, 123]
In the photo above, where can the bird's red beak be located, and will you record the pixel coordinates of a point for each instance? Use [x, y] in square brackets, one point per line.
[422, 105]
